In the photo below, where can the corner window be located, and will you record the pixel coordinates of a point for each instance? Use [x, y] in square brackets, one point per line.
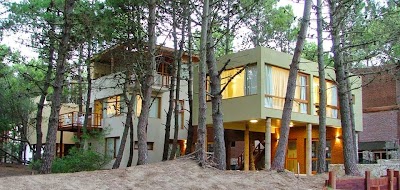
[113, 105]
[239, 82]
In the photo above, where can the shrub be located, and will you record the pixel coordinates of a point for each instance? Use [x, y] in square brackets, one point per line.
[79, 160]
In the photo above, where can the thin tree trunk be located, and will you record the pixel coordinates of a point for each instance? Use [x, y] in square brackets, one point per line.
[88, 93]
[172, 89]
[279, 159]
[128, 123]
[201, 128]
[322, 94]
[131, 143]
[147, 86]
[190, 140]
[50, 147]
[348, 150]
[40, 105]
[80, 81]
[177, 91]
[216, 102]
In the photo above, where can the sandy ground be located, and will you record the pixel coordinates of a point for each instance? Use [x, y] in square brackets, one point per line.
[177, 174]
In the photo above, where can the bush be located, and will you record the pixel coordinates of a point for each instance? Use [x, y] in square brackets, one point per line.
[79, 160]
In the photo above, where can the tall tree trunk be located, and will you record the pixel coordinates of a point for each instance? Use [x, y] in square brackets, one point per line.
[178, 89]
[350, 165]
[279, 159]
[128, 121]
[201, 128]
[131, 143]
[88, 91]
[216, 103]
[50, 148]
[322, 94]
[80, 81]
[40, 104]
[172, 73]
[190, 137]
[147, 86]
[228, 28]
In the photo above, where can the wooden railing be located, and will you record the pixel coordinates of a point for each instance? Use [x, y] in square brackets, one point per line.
[162, 80]
[391, 181]
[75, 120]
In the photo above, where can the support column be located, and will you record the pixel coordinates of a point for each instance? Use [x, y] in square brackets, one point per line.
[61, 143]
[246, 153]
[308, 149]
[267, 144]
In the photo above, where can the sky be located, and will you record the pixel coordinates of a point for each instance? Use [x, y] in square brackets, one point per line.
[15, 40]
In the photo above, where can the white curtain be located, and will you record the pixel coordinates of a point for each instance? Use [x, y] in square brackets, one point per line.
[303, 93]
[279, 80]
[268, 86]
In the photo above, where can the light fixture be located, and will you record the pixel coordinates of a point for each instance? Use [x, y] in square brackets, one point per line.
[253, 121]
[291, 124]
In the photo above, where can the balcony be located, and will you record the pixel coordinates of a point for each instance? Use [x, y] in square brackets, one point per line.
[73, 121]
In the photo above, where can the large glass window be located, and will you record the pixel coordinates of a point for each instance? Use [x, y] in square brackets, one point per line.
[154, 111]
[244, 82]
[331, 95]
[276, 85]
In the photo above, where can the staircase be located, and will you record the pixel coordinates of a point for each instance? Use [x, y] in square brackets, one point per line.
[258, 154]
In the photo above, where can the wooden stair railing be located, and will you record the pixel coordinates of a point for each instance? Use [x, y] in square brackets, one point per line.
[258, 153]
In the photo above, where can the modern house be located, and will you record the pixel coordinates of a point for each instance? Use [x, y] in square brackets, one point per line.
[381, 113]
[109, 111]
[65, 139]
[252, 107]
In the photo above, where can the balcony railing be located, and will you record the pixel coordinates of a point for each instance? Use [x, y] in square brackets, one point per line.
[73, 121]
[162, 80]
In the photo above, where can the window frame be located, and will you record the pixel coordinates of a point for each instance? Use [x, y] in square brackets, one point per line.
[115, 139]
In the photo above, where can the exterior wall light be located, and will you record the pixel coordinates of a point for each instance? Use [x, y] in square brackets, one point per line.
[253, 121]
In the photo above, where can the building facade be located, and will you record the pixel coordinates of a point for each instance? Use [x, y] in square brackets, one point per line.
[252, 107]
[381, 115]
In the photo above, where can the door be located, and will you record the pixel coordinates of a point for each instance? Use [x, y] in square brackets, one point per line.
[291, 158]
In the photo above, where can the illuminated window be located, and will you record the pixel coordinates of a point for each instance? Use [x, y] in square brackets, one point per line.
[244, 82]
[154, 111]
[113, 106]
[112, 146]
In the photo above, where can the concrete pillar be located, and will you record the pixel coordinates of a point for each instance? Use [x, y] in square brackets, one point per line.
[246, 153]
[267, 145]
[308, 149]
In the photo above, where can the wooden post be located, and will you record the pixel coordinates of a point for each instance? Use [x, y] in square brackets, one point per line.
[267, 146]
[251, 153]
[308, 149]
[397, 176]
[367, 180]
[246, 152]
[390, 179]
[332, 179]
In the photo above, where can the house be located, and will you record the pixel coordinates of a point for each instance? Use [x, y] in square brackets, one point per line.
[65, 139]
[252, 107]
[109, 111]
[381, 114]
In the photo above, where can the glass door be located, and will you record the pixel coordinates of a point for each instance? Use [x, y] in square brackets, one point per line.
[291, 158]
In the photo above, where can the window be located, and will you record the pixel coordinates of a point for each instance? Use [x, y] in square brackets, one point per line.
[113, 106]
[314, 154]
[112, 146]
[181, 110]
[332, 98]
[154, 111]
[244, 82]
[276, 85]
[150, 145]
